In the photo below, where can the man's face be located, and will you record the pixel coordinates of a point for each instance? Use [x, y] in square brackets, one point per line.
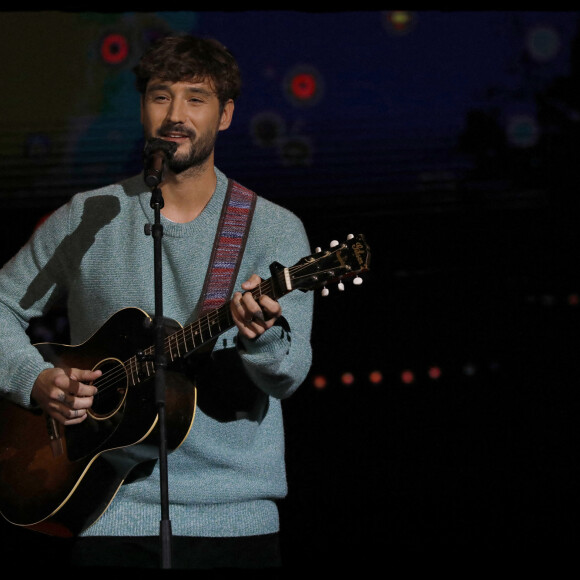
[187, 113]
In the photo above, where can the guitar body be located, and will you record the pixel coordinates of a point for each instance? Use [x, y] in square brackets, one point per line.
[63, 493]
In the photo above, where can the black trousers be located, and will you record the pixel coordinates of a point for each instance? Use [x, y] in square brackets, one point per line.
[249, 552]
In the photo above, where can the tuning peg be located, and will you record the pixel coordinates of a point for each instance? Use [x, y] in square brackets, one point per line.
[341, 286]
[357, 281]
[334, 243]
[325, 291]
[316, 250]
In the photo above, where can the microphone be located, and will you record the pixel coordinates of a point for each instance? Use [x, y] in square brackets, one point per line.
[156, 152]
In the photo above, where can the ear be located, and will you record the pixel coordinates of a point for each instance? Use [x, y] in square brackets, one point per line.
[227, 115]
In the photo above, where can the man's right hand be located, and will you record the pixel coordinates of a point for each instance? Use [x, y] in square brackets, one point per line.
[65, 397]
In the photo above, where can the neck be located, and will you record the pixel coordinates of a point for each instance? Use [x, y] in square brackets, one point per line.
[185, 195]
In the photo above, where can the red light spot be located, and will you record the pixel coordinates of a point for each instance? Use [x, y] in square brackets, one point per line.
[114, 48]
[573, 300]
[407, 377]
[303, 86]
[434, 372]
[376, 377]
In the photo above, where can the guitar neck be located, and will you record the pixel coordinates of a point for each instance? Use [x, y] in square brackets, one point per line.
[206, 328]
[323, 267]
[210, 325]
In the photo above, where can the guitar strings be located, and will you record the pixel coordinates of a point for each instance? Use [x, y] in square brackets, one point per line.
[111, 378]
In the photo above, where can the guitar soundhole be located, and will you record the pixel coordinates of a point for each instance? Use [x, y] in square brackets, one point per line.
[112, 389]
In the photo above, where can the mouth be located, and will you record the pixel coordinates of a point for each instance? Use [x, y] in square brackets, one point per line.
[175, 136]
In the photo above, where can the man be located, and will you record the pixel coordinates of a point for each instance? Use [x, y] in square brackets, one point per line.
[225, 479]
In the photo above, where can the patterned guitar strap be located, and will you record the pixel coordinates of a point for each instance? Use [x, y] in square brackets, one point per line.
[228, 248]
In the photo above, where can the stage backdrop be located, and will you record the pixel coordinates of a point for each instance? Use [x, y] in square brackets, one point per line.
[442, 407]
[348, 103]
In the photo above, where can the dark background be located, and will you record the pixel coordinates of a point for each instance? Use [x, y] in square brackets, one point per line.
[450, 139]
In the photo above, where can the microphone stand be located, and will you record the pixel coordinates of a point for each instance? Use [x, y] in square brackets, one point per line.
[160, 364]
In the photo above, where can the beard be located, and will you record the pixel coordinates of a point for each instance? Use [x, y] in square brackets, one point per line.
[199, 152]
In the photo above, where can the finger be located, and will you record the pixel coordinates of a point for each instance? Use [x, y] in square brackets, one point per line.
[248, 310]
[258, 316]
[66, 412]
[270, 308]
[252, 282]
[81, 382]
[67, 403]
[252, 309]
[73, 416]
[84, 376]
[238, 308]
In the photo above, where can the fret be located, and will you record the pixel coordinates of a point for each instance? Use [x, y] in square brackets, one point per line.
[179, 338]
[206, 334]
[195, 333]
[132, 370]
[211, 322]
[186, 348]
[149, 365]
[168, 348]
[188, 338]
[173, 338]
[215, 320]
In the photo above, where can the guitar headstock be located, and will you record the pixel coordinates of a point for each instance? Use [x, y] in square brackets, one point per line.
[343, 260]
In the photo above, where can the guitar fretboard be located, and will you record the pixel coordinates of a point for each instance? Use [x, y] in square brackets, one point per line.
[342, 261]
[195, 335]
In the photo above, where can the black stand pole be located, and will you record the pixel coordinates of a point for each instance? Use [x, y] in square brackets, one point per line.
[160, 364]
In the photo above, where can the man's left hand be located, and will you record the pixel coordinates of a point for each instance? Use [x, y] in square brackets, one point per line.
[253, 317]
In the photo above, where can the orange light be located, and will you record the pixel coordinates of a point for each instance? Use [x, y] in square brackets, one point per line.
[319, 382]
[347, 378]
[376, 377]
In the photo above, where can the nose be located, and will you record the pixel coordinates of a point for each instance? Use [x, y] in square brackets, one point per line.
[176, 111]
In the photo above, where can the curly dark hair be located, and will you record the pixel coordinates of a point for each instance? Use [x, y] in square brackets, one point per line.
[180, 57]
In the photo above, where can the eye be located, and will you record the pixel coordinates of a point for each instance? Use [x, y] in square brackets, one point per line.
[156, 97]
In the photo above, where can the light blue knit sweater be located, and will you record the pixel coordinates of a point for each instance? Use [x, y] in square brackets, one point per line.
[226, 477]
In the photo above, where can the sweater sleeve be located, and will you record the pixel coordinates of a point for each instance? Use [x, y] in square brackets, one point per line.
[279, 360]
[29, 286]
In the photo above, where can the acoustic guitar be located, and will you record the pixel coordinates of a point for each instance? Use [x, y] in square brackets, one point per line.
[59, 480]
